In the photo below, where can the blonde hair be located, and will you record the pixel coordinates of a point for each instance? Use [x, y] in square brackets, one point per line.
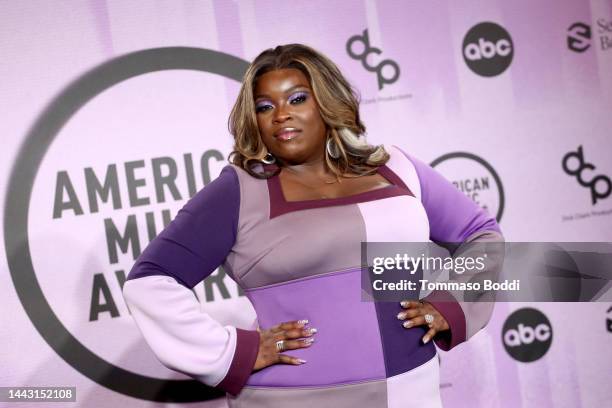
[338, 104]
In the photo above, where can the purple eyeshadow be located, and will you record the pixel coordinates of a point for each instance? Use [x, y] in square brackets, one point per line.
[297, 95]
[262, 104]
[293, 97]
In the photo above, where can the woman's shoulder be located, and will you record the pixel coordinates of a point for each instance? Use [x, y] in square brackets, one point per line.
[223, 191]
[404, 165]
[242, 173]
[399, 153]
[252, 191]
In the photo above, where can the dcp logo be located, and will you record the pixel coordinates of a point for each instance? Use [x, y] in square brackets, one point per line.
[576, 170]
[488, 49]
[527, 335]
[579, 37]
[362, 55]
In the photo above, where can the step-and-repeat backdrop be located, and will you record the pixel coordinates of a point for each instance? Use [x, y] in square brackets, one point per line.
[114, 113]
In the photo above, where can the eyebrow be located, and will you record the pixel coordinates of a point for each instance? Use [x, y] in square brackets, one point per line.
[286, 92]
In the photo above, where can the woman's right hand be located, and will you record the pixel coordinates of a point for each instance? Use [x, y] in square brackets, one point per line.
[294, 336]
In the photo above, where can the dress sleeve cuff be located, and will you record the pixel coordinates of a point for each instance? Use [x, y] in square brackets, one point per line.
[448, 307]
[247, 347]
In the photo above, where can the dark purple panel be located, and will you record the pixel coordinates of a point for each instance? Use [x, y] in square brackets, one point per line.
[247, 348]
[448, 307]
[197, 241]
[402, 348]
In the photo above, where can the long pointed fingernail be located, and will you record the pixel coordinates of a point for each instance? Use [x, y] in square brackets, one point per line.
[425, 339]
[404, 303]
[408, 324]
[401, 316]
[312, 330]
[299, 360]
[308, 341]
[303, 321]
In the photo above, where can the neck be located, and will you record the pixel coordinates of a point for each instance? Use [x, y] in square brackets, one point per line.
[316, 168]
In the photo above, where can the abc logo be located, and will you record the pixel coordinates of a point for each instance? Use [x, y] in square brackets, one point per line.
[527, 335]
[488, 49]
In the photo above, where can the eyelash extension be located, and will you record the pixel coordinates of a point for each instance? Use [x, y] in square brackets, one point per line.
[298, 95]
[261, 108]
[295, 97]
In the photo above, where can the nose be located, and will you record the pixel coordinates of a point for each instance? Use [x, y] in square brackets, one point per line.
[281, 114]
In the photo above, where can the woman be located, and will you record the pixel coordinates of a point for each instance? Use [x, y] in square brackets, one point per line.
[286, 220]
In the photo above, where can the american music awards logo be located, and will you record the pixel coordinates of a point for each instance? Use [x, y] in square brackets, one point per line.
[96, 201]
[476, 178]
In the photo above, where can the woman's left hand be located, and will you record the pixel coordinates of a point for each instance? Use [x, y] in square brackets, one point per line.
[415, 315]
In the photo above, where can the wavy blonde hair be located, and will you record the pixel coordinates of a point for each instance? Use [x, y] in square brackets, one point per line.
[338, 105]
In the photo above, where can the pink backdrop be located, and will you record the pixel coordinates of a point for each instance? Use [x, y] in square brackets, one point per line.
[551, 92]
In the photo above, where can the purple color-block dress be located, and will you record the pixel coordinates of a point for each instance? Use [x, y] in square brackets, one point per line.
[301, 260]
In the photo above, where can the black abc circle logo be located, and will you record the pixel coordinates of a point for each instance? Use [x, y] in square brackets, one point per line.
[527, 335]
[488, 49]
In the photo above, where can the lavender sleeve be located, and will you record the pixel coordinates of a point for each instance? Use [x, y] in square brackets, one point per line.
[458, 224]
[158, 290]
[453, 217]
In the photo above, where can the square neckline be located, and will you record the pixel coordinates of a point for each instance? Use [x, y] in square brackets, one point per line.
[280, 205]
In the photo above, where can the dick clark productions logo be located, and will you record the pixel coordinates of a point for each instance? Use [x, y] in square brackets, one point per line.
[488, 49]
[575, 165]
[527, 335]
[358, 47]
[19, 192]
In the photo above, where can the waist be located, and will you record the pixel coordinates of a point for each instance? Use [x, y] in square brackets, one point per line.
[356, 340]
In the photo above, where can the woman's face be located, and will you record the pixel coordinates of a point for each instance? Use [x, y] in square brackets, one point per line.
[288, 117]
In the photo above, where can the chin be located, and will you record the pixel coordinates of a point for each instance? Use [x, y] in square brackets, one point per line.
[292, 154]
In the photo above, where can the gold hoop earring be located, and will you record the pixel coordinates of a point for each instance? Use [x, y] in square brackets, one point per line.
[328, 148]
[269, 159]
